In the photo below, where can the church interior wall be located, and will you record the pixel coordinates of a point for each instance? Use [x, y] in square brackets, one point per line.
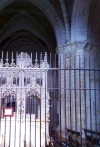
[71, 35]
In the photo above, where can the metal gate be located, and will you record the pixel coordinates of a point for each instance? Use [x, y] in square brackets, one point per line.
[54, 101]
[75, 101]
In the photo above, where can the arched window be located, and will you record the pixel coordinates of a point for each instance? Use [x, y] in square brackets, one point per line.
[32, 105]
[10, 101]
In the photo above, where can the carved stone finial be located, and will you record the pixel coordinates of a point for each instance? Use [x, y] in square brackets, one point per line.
[12, 60]
[36, 65]
[7, 64]
[45, 58]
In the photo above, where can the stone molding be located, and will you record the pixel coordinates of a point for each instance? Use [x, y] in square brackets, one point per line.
[66, 48]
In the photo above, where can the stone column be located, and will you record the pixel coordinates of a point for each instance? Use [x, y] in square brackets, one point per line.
[82, 104]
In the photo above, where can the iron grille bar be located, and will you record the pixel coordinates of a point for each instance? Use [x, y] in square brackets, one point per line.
[50, 127]
[45, 108]
[85, 98]
[40, 101]
[35, 122]
[95, 98]
[90, 99]
[60, 88]
[70, 71]
[75, 96]
[60, 98]
[65, 102]
[15, 117]
[80, 100]
[25, 108]
[42, 69]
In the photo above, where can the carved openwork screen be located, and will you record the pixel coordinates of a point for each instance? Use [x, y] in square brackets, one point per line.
[22, 81]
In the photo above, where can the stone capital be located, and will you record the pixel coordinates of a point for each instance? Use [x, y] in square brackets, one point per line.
[66, 48]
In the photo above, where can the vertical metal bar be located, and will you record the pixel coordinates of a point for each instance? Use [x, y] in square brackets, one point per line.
[40, 111]
[40, 96]
[5, 133]
[20, 105]
[25, 109]
[70, 100]
[0, 104]
[45, 104]
[55, 98]
[5, 121]
[65, 97]
[15, 113]
[85, 97]
[75, 95]
[30, 98]
[60, 94]
[35, 106]
[50, 129]
[20, 127]
[35, 119]
[52, 113]
[95, 98]
[3, 124]
[90, 98]
[80, 99]
[53, 94]
[10, 129]
[10, 98]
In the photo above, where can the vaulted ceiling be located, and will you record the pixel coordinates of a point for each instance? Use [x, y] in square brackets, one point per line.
[32, 23]
[24, 25]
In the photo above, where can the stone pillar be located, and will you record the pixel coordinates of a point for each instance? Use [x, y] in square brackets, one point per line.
[62, 96]
[82, 104]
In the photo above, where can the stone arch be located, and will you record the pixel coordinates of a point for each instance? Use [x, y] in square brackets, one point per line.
[51, 14]
[9, 99]
[33, 92]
